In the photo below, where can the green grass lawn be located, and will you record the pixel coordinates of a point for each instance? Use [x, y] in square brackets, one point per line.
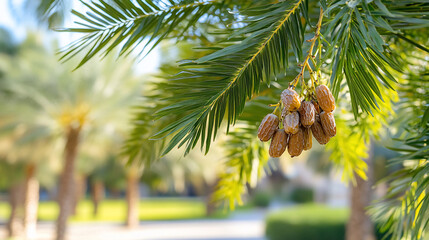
[115, 210]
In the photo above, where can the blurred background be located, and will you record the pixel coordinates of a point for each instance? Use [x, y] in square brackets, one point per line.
[303, 198]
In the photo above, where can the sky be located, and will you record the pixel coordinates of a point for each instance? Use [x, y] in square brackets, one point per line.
[7, 20]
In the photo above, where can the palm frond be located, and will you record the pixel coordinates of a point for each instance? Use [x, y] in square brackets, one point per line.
[139, 147]
[361, 56]
[246, 155]
[218, 84]
[360, 53]
[404, 210]
[129, 23]
[396, 16]
[52, 12]
[348, 149]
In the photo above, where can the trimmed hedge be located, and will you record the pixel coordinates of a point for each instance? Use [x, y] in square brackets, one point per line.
[302, 195]
[308, 222]
[261, 199]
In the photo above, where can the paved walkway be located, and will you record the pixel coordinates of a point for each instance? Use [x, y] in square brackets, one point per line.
[240, 226]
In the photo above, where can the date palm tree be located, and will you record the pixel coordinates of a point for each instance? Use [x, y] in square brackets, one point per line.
[29, 141]
[64, 107]
[11, 179]
[252, 50]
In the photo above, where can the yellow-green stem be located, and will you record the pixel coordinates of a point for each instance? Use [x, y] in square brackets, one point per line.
[310, 53]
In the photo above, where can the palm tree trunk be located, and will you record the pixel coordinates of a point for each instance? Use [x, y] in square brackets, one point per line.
[97, 195]
[80, 190]
[210, 203]
[14, 225]
[66, 190]
[360, 226]
[31, 202]
[132, 200]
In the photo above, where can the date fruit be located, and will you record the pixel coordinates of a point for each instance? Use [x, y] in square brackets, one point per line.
[291, 123]
[328, 123]
[296, 143]
[290, 99]
[325, 98]
[318, 132]
[268, 126]
[308, 141]
[278, 143]
[307, 113]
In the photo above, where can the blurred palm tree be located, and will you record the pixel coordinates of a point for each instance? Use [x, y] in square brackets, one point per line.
[53, 105]
[110, 174]
[11, 175]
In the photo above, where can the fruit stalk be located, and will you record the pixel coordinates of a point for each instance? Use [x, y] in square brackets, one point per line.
[310, 55]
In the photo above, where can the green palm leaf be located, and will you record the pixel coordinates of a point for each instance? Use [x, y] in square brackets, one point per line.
[128, 23]
[360, 54]
[218, 84]
[246, 155]
[404, 209]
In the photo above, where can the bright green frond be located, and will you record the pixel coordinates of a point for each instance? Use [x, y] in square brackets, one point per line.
[361, 54]
[246, 155]
[348, 149]
[404, 210]
[219, 84]
[128, 24]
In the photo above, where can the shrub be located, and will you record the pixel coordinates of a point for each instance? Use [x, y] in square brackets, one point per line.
[308, 222]
[261, 199]
[302, 195]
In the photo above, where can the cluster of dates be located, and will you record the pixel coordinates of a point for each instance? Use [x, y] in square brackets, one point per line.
[300, 120]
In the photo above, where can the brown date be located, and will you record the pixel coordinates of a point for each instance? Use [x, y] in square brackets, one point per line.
[308, 141]
[307, 113]
[318, 132]
[328, 123]
[278, 143]
[267, 127]
[296, 143]
[290, 99]
[325, 98]
[291, 123]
